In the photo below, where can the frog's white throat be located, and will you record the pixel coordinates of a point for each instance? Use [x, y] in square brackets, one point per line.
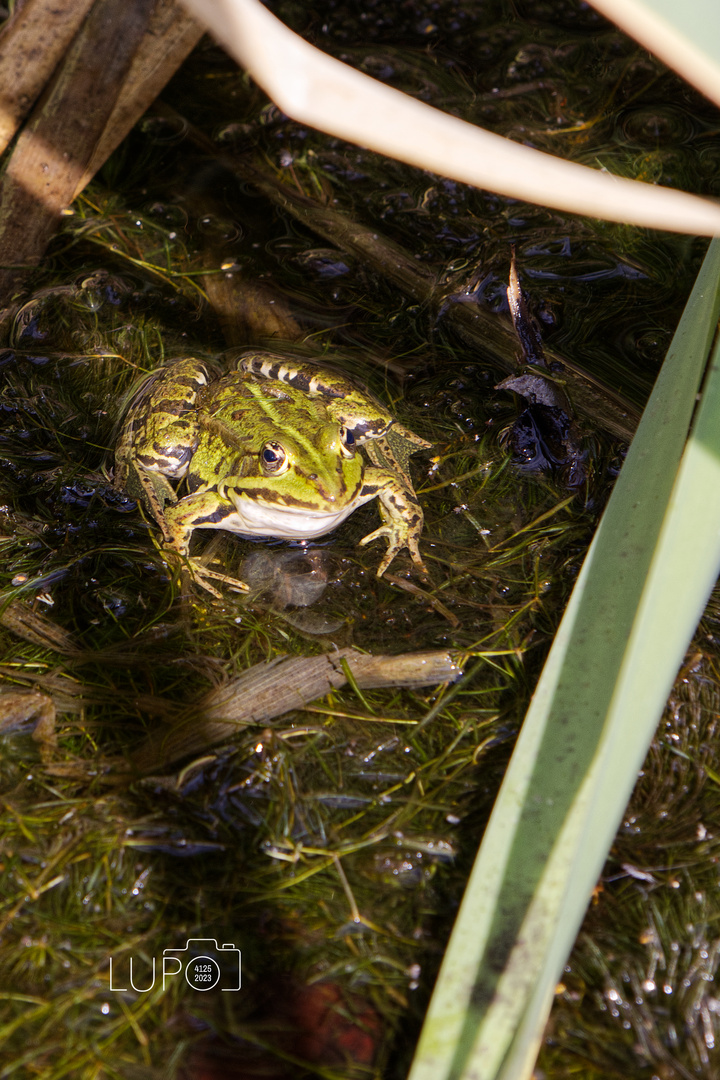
[254, 518]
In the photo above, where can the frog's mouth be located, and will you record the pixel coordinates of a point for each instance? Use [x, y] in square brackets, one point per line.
[253, 517]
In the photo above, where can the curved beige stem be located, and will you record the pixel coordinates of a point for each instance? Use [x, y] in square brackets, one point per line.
[315, 89]
[676, 33]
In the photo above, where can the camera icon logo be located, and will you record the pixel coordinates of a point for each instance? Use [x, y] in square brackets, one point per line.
[206, 964]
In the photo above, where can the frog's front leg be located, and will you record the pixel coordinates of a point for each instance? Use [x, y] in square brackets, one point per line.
[401, 513]
[157, 493]
[202, 510]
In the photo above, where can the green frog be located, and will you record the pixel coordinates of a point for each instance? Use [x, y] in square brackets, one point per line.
[277, 448]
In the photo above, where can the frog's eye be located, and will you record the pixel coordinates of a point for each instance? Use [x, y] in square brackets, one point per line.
[348, 442]
[273, 458]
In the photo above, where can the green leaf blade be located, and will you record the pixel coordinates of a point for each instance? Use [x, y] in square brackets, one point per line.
[519, 919]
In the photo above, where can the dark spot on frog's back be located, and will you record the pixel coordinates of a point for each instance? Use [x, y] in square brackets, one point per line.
[173, 406]
[183, 425]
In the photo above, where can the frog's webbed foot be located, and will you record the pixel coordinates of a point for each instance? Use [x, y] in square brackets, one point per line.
[397, 539]
[200, 573]
[401, 514]
[186, 566]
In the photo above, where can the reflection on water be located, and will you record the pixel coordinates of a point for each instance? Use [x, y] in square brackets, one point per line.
[292, 579]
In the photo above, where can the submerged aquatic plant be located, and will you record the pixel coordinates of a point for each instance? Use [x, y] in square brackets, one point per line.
[347, 810]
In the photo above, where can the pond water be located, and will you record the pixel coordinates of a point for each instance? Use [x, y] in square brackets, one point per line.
[331, 845]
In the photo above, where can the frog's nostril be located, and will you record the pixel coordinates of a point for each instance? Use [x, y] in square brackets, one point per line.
[313, 476]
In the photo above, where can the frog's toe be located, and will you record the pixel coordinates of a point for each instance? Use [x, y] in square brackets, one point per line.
[200, 574]
[396, 543]
[384, 531]
[412, 545]
[199, 579]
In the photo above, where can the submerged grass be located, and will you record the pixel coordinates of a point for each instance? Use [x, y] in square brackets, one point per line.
[323, 844]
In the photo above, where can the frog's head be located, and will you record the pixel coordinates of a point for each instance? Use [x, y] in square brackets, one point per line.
[299, 483]
[322, 468]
